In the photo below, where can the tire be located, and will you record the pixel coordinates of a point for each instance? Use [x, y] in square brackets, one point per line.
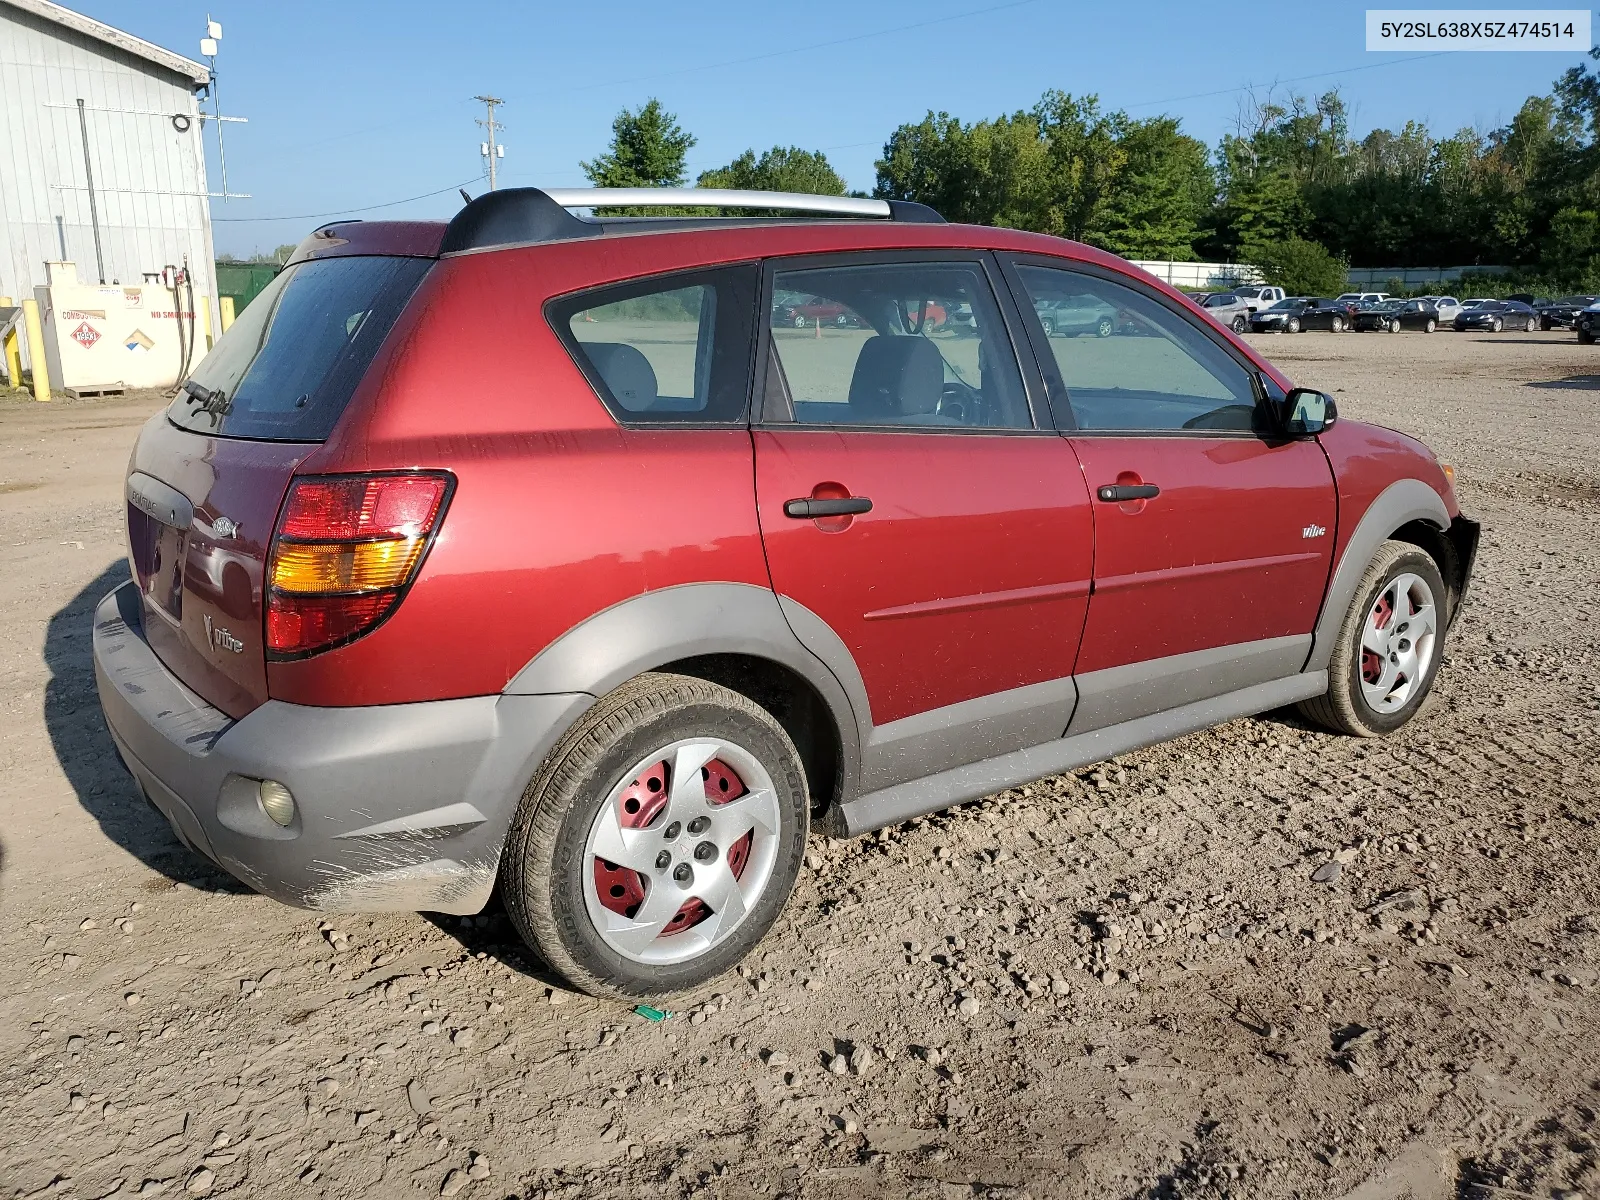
[1292, 325]
[1528, 327]
[571, 904]
[1048, 326]
[1585, 338]
[1368, 696]
[1544, 324]
[1105, 327]
[1336, 325]
[1430, 326]
[841, 320]
[1394, 326]
[1496, 325]
[1239, 325]
[800, 321]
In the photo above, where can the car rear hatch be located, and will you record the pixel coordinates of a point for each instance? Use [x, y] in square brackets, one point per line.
[209, 475]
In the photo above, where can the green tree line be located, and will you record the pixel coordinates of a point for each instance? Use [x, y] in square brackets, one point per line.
[1290, 188]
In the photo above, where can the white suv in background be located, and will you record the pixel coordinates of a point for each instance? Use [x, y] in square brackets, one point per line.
[1448, 307]
[1363, 297]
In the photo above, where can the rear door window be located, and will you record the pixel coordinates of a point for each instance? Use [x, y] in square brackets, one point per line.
[288, 366]
[670, 349]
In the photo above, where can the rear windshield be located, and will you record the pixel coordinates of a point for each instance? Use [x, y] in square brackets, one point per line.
[288, 366]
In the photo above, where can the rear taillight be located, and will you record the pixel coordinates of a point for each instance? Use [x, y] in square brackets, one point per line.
[346, 548]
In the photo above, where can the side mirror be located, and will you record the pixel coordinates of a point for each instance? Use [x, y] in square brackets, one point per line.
[1307, 412]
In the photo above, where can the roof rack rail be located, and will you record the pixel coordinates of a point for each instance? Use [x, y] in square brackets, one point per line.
[521, 215]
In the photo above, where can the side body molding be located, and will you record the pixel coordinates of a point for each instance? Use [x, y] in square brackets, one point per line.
[1400, 503]
[645, 632]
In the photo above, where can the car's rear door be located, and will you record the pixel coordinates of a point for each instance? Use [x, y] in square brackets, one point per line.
[925, 533]
[1212, 537]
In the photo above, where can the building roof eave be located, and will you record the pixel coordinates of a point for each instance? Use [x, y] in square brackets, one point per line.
[196, 73]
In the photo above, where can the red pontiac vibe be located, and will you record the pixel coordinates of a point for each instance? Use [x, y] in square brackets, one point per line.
[525, 551]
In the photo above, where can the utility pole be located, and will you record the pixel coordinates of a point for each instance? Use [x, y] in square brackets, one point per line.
[492, 149]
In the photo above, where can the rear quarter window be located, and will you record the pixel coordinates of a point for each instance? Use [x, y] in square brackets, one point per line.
[288, 366]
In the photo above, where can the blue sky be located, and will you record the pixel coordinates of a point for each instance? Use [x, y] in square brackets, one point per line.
[362, 103]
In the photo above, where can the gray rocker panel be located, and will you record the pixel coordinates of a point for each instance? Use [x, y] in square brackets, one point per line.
[921, 796]
[1400, 503]
[962, 733]
[1117, 694]
[646, 632]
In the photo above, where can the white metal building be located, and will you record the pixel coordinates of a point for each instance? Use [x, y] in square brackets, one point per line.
[137, 134]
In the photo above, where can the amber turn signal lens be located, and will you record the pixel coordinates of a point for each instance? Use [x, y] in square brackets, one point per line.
[1449, 472]
[311, 568]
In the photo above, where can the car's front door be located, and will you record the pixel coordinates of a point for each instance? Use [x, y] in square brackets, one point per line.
[922, 529]
[1213, 538]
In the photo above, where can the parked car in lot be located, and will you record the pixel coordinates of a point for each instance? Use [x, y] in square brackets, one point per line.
[609, 640]
[1227, 309]
[1562, 313]
[1447, 306]
[1258, 297]
[1587, 323]
[1073, 315]
[1391, 316]
[1299, 313]
[803, 314]
[1359, 299]
[1496, 315]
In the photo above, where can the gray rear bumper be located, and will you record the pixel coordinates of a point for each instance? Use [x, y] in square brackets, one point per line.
[400, 807]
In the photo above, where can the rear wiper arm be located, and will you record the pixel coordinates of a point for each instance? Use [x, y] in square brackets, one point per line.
[211, 401]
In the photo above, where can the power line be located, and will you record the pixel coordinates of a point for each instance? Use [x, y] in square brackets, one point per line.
[1393, 62]
[363, 208]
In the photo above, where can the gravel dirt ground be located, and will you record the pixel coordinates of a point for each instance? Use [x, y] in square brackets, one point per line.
[1166, 1003]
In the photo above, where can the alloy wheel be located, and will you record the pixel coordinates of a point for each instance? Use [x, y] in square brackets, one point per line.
[1105, 327]
[681, 850]
[1397, 642]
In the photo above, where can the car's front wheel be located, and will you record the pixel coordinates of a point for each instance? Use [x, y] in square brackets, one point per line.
[1292, 325]
[1104, 327]
[1048, 326]
[1585, 338]
[1394, 326]
[1496, 325]
[1388, 648]
[660, 839]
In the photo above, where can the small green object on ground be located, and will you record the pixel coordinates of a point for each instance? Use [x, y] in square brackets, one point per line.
[652, 1014]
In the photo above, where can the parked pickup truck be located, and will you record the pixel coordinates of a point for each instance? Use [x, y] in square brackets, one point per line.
[1257, 297]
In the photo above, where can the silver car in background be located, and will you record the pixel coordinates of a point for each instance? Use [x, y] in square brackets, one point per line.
[1227, 309]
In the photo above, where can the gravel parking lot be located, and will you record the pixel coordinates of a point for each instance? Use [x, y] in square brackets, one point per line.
[1166, 1003]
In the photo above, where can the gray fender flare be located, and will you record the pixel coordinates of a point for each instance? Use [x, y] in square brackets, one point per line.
[1400, 503]
[648, 631]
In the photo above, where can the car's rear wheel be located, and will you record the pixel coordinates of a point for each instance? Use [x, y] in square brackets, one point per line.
[1430, 325]
[1388, 648]
[800, 321]
[1240, 324]
[1048, 326]
[1394, 326]
[660, 839]
[1105, 327]
[841, 320]
[1336, 325]
[1528, 325]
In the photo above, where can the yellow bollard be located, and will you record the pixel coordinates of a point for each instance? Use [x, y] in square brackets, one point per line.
[205, 318]
[225, 311]
[41, 371]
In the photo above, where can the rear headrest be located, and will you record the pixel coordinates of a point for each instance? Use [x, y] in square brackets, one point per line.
[897, 376]
[627, 373]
